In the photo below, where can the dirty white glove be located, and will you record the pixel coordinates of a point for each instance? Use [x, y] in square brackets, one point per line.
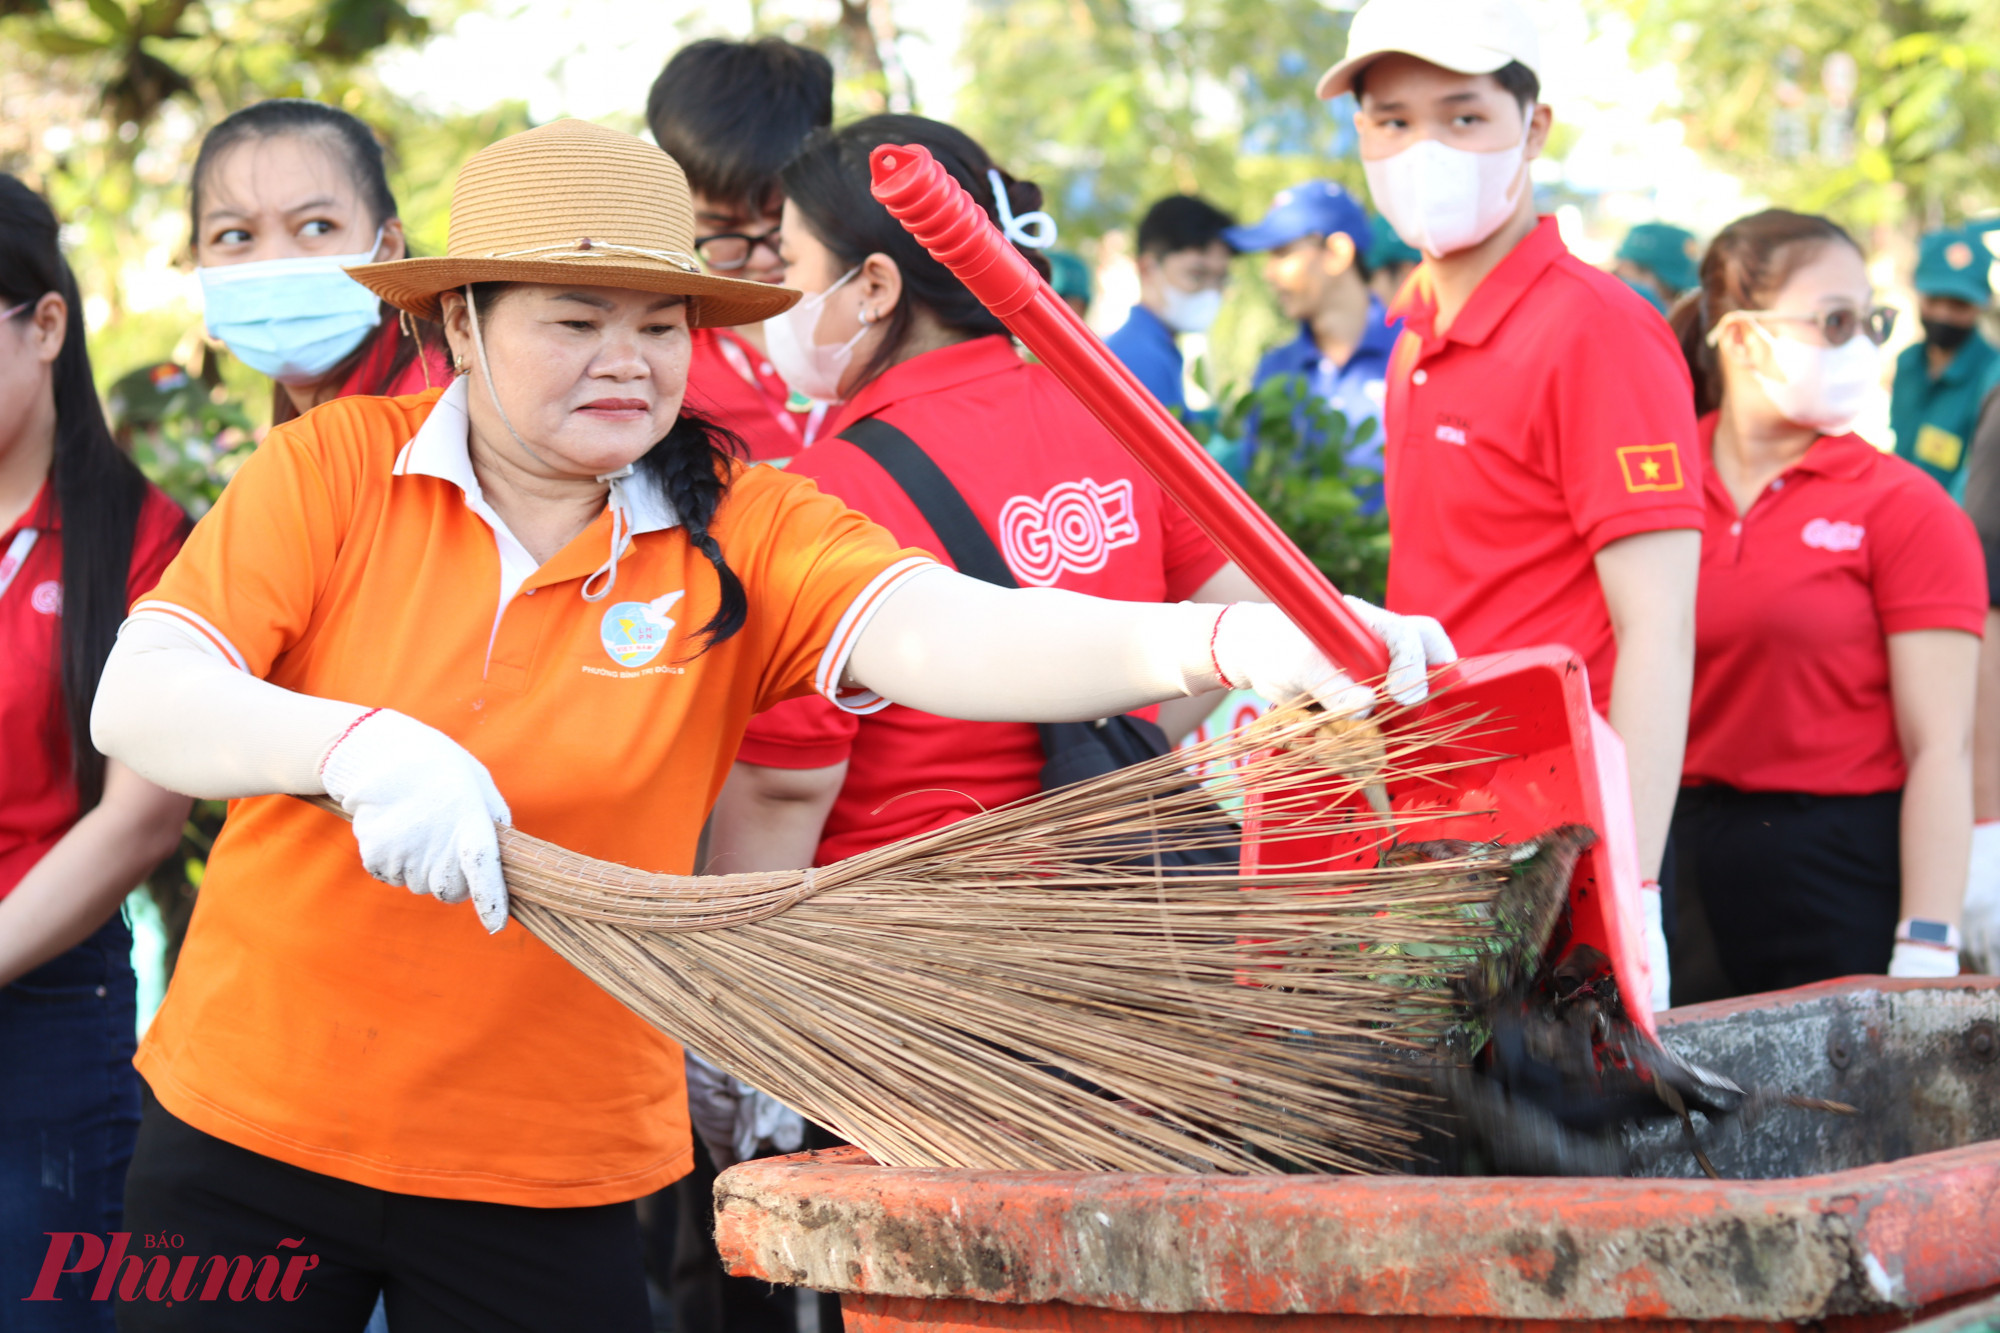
[1257, 647]
[713, 1100]
[1922, 960]
[1656, 947]
[762, 1119]
[423, 811]
[1979, 920]
[1416, 644]
[736, 1120]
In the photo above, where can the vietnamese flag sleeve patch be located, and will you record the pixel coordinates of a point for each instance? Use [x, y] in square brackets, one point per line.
[1651, 467]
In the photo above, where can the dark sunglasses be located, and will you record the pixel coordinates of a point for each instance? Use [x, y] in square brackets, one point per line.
[1837, 326]
[731, 249]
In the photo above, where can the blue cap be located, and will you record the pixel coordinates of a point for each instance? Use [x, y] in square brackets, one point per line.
[1316, 208]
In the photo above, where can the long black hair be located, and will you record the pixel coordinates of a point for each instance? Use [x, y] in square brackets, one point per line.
[828, 182]
[98, 490]
[691, 466]
[357, 148]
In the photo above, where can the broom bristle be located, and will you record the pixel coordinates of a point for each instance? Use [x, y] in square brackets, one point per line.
[1026, 989]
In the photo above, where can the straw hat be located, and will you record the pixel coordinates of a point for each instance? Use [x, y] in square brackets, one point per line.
[573, 203]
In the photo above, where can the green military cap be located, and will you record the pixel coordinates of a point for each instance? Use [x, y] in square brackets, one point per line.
[1668, 252]
[1385, 247]
[1954, 262]
[1069, 275]
[151, 394]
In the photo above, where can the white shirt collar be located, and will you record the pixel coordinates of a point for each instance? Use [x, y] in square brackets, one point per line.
[441, 449]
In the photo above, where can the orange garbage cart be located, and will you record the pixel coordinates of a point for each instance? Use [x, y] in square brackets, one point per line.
[1853, 1223]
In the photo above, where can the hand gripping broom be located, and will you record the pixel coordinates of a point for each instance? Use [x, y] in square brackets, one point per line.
[1560, 763]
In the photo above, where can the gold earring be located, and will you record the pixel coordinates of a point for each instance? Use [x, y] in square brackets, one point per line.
[460, 364]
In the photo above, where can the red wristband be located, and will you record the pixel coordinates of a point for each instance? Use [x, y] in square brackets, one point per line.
[1650, 885]
[1213, 660]
[343, 736]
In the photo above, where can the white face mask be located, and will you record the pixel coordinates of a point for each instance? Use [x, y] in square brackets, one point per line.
[1443, 199]
[1190, 312]
[1825, 388]
[812, 368]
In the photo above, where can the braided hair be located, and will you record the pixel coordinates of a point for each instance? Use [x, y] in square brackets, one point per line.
[690, 465]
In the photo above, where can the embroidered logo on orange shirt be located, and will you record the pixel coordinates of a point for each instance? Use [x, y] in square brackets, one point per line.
[1650, 467]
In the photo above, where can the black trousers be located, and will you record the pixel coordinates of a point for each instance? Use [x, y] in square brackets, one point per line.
[440, 1265]
[1797, 888]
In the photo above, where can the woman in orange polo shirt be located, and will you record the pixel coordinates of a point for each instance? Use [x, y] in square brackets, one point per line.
[1827, 811]
[285, 195]
[81, 534]
[546, 596]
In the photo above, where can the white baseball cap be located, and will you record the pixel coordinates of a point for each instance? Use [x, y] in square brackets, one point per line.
[1465, 36]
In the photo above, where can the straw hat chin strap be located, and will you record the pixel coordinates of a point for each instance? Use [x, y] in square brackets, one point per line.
[621, 513]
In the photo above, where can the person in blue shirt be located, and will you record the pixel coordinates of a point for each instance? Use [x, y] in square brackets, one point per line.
[1934, 404]
[1659, 261]
[1183, 269]
[1315, 242]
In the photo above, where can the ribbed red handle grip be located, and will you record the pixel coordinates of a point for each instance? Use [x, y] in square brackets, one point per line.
[922, 196]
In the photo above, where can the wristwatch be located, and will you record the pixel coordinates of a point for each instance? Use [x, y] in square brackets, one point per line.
[1936, 934]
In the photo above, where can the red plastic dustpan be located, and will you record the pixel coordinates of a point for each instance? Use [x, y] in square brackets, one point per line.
[1566, 766]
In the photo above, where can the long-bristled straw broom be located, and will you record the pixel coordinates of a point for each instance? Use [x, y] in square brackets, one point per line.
[1029, 989]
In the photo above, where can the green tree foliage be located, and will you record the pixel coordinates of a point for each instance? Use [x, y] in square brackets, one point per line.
[105, 105]
[1879, 111]
[1299, 474]
[1111, 104]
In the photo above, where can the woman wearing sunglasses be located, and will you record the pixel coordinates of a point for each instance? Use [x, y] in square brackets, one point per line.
[1826, 810]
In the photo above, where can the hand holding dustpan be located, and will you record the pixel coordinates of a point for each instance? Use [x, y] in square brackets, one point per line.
[1559, 763]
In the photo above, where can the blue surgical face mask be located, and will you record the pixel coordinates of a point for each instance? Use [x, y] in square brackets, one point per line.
[293, 319]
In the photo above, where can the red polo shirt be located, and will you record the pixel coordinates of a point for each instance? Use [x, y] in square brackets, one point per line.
[1068, 508]
[1554, 417]
[1791, 676]
[37, 794]
[731, 383]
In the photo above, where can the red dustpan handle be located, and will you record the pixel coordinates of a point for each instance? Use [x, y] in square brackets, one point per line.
[936, 210]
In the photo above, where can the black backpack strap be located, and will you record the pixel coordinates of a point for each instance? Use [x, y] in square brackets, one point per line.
[963, 535]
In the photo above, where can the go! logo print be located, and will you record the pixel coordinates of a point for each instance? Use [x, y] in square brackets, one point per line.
[1072, 529]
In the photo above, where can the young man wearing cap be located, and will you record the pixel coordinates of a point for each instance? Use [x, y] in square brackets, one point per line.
[1183, 267]
[1934, 405]
[1659, 261]
[733, 113]
[1539, 464]
[1315, 240]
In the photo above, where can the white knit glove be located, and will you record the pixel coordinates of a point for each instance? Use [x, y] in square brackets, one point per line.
[1979, 920]
[423, 811]
[1922, 960]
[1257, 647]
[1656, 947]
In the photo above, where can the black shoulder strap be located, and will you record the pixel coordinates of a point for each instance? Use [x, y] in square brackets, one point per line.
[963, 535]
